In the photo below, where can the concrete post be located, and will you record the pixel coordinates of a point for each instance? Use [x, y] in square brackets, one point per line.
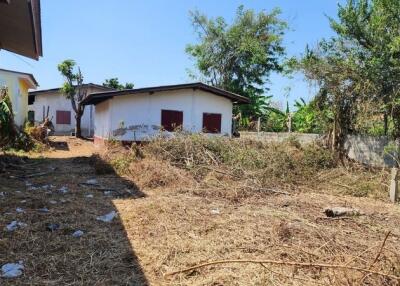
[394, 193]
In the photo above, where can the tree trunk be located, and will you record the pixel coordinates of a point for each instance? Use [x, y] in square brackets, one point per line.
[78, 131]
[385, 124]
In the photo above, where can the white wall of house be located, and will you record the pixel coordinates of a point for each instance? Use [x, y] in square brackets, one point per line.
[137, 117]
[102, 119]
[56, 101]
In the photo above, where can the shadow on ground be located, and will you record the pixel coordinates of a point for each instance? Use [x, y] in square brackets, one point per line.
[102, 256]
[60, 145]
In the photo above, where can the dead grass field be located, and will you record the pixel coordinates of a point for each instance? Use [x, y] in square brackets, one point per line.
[173, 216]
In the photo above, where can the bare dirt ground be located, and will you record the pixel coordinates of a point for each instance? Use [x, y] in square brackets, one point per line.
[102, 256]
[163, 229]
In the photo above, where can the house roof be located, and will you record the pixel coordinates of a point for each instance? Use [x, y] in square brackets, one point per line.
[86, 85]
[30, 76]
[95, 98]
[20, 27]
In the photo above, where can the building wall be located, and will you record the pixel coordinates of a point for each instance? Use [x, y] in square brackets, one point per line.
[102, 119]
[57, 101]
[138, 117]
[18, 91]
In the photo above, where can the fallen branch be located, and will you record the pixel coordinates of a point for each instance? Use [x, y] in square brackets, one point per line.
[274, 191]
[288, 263]
[380, 250]
[376, 257]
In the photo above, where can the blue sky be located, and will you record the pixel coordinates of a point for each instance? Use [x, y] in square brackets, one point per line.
[144, 41]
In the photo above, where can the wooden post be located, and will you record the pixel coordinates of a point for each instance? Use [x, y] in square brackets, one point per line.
[394, 193]
[258, 125]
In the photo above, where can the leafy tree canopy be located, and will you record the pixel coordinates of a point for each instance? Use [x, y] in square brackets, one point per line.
[114, 83]
[239, 57]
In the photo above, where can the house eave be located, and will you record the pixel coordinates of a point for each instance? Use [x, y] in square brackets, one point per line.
[98, 97]
[20, 27]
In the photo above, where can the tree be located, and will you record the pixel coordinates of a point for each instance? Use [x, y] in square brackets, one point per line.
[114, 83]
[239, 57]
[333, 66]
[73, 90]
[373, 29]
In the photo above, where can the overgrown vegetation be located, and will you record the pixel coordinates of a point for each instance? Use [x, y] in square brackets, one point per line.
[250, 166]
[357, 71]
[212, 198]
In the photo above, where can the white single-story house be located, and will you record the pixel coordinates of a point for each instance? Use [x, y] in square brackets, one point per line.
[53, 103]
[18, 84]
[140, 114]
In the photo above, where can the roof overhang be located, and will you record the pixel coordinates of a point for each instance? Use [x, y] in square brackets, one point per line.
[98, 97]
[28, 78]
[20, 27]
[58, 90]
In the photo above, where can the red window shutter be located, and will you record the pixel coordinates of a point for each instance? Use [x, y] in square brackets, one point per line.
[63, 117]
[171, 119]
[212, 122]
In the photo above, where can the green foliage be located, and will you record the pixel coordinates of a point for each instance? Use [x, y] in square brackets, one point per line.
[308, 118]
[8, 130]
[358, 72]
[274, 122]
[6, 116]
[115, 84]
[239, 57]
[72, 78]
[370, 30]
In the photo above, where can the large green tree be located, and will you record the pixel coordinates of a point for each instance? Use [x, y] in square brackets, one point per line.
[240, 56]
[73, 90]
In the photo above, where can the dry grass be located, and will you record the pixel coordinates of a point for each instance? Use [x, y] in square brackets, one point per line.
[191, 201]
[226, 202]
[103, 256]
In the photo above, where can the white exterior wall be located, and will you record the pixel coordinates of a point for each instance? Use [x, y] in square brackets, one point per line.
[137, 117]
[56, 101]
[102, 119]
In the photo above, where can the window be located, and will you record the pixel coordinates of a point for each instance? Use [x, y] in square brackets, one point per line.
[31, 99]
[63, 117]
[31, 116]
[171, 119]
[212, 122]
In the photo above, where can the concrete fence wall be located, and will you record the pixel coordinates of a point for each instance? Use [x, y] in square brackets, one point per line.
[364, 149]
